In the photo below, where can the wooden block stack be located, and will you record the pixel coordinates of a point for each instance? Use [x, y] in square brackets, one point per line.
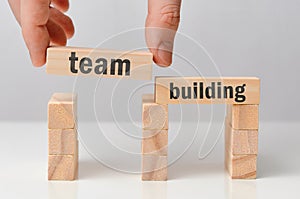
[155, 140]
[62, 137]
[241, 140]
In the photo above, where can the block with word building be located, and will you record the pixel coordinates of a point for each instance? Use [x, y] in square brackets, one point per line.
[199, 90]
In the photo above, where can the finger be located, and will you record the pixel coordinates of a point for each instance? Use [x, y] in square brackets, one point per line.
[61, 5]
[34, 16]
[64, 21]
[56, 33]
[15, 7]
[161, 26]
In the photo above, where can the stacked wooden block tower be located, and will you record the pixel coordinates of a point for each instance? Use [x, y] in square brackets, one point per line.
[241, 140]
[155, 139]
[62, 137]
[242, 96]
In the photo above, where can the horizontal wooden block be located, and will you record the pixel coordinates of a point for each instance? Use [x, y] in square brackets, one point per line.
[155, 116]
[241, 166]
[243, 116]
[62, 141]
[155, 142]
[197, 90]
[100, 63]
[62, 111]
[241, 142]
[154, 168]
[62, 167]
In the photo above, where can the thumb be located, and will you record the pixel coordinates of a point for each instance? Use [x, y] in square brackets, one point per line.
[161, 26]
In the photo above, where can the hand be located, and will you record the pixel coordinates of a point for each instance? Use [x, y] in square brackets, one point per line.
[43, 23]
[161, 26]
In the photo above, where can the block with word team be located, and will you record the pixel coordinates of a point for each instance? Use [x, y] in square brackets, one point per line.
[98, 62]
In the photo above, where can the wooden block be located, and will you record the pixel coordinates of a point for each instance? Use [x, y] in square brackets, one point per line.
[155, 142]
[197, 90]
[154, 168]
[99, 62]
[241, 166]
[62, 141]
[62, 109]
[155, 116]
[241, 142]
[62, 167]
[243, 116]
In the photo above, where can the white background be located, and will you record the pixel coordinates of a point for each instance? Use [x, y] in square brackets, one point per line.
[245, 38]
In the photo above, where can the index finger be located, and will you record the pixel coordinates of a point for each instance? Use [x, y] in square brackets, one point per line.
[34, 17]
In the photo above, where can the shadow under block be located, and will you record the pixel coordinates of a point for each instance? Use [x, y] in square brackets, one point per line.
[62, 142]
[243, 116]
[155, 116]
[99, 62]
[62, 167]
[62, 111]
[154, 168]
[155, 142]
[197, 90]
[241, 142]
[241, 166]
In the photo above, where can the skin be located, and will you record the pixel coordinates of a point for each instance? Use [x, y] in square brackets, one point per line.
[44, 23]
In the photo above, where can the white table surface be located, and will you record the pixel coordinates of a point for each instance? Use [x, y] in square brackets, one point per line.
[23, 168]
